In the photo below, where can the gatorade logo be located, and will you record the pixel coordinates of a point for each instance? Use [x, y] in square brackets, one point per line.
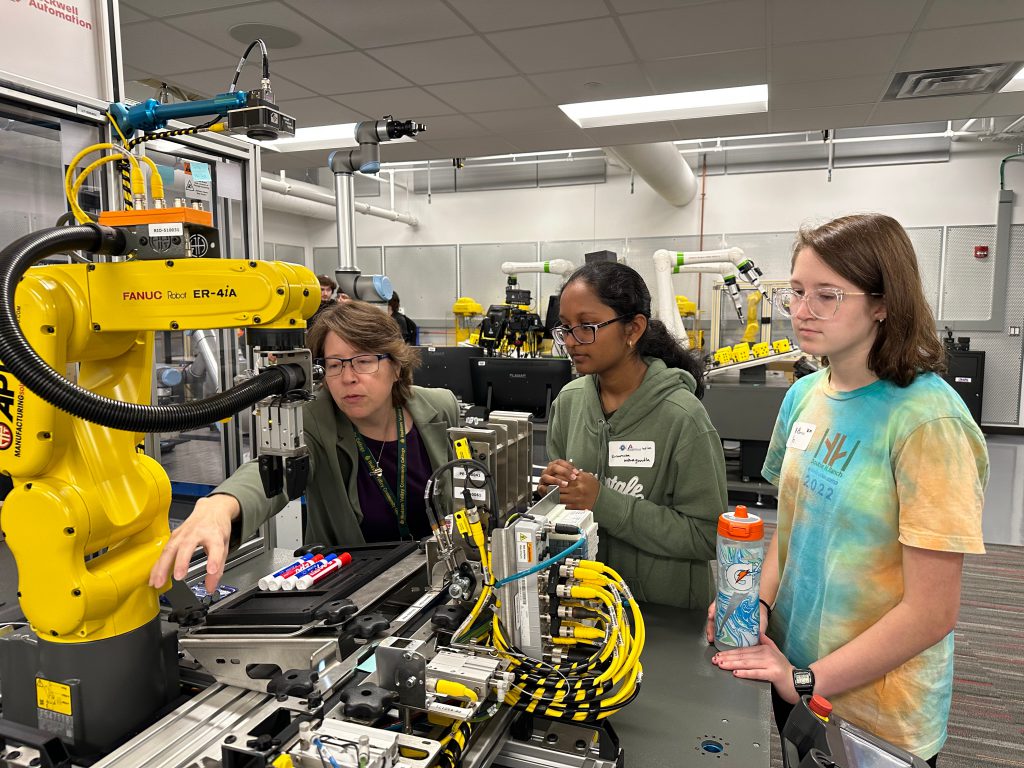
[741, 576]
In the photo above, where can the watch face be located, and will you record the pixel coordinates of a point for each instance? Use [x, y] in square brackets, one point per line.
[803, 678]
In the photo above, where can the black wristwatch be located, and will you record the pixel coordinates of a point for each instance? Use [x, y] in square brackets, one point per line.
[803, 681]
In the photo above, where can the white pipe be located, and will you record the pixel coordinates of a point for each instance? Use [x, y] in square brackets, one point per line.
[383, 213]
[296, 206]
[561, 267]
[313, 193]
[662, 167]
[1013, 125]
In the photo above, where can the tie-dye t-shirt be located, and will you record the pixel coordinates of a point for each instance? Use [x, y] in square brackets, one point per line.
[860, 474]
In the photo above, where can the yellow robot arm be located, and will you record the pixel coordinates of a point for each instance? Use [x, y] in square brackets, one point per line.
[753, 324]
[88, 514]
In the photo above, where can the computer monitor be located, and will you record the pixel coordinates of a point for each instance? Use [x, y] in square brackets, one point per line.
[446, 367]
[518, 384]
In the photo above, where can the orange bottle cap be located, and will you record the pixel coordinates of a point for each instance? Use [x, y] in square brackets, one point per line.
[820, 706]
[740, 525]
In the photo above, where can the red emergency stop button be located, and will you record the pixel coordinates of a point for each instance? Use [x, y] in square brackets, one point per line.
[820, 706]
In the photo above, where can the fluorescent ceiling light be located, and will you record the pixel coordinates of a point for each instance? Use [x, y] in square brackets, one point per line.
[1016, 84]
[321, 137]
[316, 137]
[669, 106]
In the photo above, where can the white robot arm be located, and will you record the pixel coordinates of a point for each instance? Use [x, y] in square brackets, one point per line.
[726, 262]
[561, 267]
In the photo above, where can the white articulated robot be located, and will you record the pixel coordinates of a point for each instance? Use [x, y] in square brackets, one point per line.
[561, 267]
[726, 262]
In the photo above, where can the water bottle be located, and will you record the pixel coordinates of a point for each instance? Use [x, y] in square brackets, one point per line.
[740, 554]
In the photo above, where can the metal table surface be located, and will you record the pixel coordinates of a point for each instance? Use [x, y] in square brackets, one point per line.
[686, 705]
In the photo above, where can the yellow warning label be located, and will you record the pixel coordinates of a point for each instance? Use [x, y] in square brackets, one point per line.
[55, 697]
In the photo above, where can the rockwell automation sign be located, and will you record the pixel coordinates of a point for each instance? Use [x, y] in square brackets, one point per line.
[70, 26]
[67, 12]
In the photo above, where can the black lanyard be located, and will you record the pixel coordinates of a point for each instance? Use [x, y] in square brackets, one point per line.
[399, 507]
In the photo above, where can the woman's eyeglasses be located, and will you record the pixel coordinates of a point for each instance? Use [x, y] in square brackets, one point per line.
[361, 364]
[822, 303]
[584, 333]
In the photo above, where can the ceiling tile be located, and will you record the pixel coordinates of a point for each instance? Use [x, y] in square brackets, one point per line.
[828, 93]
[134, 73]
[537, 119]
[339, 73]
[955, 13]
[486, 95]
[213, 81]
[838, 58]
[493, 15]
[129, 15]
[564, 46]
[412, 150]
[472, 147]
[921, 110]
[364, 23]
[161, 8]
[631, 134]
[528, 141]
[820, 119]
[160, 48]
[320, 111]
[214, 27]
[978, 44]
[707, 71]
[271, 162]
[714, 127]
[443, 61]
[406, 103]
[795, 21]
[633, 6]
[1003, 104]
[707, 28]
[594, 84]
[452, 127]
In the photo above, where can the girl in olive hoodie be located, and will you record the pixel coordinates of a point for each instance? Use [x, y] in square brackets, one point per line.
[632, 442]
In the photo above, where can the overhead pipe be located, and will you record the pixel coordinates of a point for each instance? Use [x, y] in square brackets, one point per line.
[303, 191]
[662, 167]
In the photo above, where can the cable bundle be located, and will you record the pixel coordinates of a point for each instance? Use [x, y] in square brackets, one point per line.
[593, 616]
[592, 611]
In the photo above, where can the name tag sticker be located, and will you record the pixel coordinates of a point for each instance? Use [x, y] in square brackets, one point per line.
[631, 453]
[801, 435]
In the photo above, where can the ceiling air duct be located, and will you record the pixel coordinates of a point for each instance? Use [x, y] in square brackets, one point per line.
[662, 167]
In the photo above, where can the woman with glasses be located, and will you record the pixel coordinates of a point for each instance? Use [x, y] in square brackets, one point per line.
[373, 440]
[630, 441]
[881, 471]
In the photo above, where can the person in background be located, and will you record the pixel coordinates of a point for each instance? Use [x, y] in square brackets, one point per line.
[367, 417]
[881, 471]
[327, 300]
[631, 441]
[407, 326]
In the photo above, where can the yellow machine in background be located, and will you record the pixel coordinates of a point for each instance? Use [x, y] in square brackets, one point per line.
[688, 309]
[467, 311]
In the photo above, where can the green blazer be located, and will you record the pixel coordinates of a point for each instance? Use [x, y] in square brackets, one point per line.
[332, 498]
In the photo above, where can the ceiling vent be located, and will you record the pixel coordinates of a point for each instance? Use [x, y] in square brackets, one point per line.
[951, 81]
